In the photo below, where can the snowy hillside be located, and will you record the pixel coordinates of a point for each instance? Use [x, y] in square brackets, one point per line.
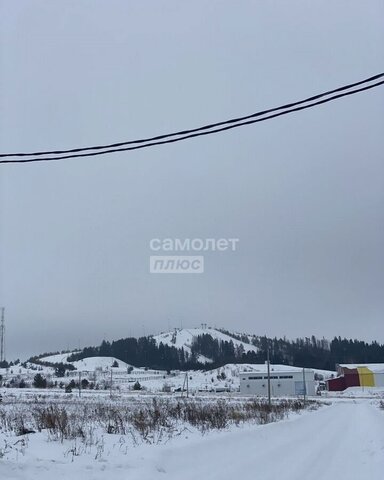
[103, 363]
[58, 358]
[183, 338]
[99, 368]
[88, 364]
[226, 377]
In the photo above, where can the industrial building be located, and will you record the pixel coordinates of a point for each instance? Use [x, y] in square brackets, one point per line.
[284, 381]
[369, 375]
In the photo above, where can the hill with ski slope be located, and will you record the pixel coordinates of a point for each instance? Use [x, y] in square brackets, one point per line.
[207, 347]
[185, 337]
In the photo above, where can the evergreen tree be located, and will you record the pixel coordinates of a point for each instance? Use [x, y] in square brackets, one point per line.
[39, 381]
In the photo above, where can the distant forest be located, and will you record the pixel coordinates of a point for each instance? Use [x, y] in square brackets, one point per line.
[303, 352]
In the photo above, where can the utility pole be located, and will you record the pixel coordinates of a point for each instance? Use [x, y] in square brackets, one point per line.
[2, 336]
[304, 386]
[269, 379]
[110, 386]
[79, 384]
[185, 383]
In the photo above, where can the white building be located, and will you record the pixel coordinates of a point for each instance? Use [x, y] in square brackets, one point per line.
[284, 380]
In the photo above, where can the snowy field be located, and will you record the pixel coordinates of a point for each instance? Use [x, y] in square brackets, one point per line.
[343, 440]
[52, 434]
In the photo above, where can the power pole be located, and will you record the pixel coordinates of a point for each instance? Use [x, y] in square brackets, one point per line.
[185, 383]
[187, 386]
[269, 379]
[2, 336]
[304, 386]
[110, 387]
[79, 384]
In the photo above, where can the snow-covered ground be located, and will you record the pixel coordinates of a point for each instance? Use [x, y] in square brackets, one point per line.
[357, 392]
[344, 441]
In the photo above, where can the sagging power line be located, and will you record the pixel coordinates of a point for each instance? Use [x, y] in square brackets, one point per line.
[196, 132]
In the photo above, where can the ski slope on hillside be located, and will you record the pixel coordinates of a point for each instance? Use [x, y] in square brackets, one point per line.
[183, 338]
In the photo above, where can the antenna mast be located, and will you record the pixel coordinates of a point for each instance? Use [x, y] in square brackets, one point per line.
[2, 336]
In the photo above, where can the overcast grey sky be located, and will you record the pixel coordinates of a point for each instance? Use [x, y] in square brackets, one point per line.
[303, 193]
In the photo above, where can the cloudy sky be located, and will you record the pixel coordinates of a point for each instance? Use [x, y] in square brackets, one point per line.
[304, 193]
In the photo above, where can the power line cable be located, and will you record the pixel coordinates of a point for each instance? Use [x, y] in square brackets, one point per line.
[201, 131]
[205, 127]
[183, 132]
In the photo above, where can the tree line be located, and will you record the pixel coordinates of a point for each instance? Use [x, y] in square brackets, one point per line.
[304, 352]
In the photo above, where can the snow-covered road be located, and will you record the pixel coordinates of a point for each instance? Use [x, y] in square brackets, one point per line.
[344, 441]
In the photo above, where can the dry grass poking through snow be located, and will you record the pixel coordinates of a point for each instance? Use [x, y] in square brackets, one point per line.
[153, 420]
